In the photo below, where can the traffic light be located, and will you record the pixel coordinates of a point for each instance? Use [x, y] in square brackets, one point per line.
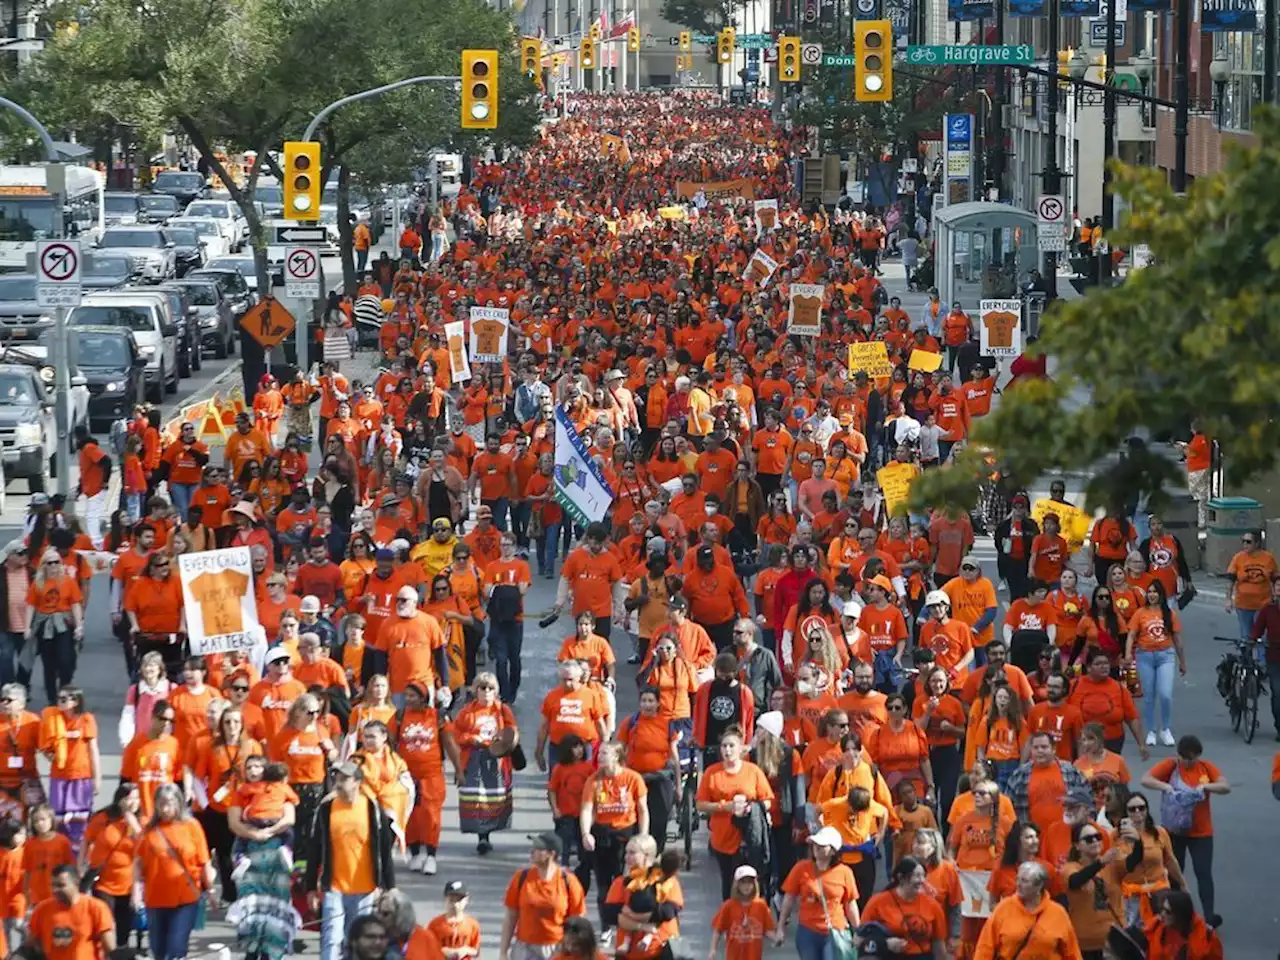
[873, 61]
[531, 59]
[789, 59]
[587, 54]
[479, 89]
[725, 41]
[301, 180]
[595, 31]
[633, 39]
[686, 41]
[681, 62]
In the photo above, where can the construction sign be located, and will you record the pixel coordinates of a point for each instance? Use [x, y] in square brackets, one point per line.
[268, 322]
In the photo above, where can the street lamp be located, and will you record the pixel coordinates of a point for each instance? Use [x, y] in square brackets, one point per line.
[1078, 66]
[1219, 73]
[1144, 68]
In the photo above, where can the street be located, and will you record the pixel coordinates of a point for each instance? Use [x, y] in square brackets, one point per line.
[1250, 929]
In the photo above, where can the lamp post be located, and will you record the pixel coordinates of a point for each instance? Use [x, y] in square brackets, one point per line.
[1144, 68]
[1219, 73]
[1051, 179]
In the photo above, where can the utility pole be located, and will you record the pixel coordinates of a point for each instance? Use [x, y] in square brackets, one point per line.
[1181, 96]
[1108, 146]
[1051, 180]
[997, 153]
[1269, 51]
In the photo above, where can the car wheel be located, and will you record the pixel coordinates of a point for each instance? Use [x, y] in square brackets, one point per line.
[220, 350]
[170, 386]
[155, 391]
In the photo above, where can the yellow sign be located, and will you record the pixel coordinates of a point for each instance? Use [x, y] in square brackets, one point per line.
[1075, 522]
[672, 213]
[870, 358]
[924, 361]
[895, 484]
[717, 190]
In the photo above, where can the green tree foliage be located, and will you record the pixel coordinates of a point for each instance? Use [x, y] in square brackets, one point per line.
[1186, 339]
[701, 16]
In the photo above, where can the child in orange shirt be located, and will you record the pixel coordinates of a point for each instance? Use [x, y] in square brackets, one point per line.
[44, 852]
[134, 478]
[261, 799]
[457, 932]
[564, 791]
[743, 920]
[915, 816]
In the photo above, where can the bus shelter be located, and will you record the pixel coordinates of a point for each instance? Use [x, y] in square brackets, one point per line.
[982, 251]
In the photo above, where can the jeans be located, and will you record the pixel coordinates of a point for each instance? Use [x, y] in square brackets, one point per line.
[811, 945]
[1273, 674]
[505, 643]
[133, 506]
[499, 508]
[58, 655]
[122, 912]
[548, 544]
[362, 260]
[437, 246]
[520, 514]
[181, 494]
[1246, 618]
[169, 930]
[338, 912]
[10, 646]
[1201, 849]
[1156, 671]
[661, 800]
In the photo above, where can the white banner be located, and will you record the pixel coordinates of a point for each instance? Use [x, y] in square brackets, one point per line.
[760, 267]
[222, 615]
[766, 215]
[581, 488]
[455, 335]
[805, 316]
[1000, 328]
[489, 334]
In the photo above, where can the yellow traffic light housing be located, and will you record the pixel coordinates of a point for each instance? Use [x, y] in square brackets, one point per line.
[301, 180]
[873, 61]
[531, 59]
[633, 39]
[789, 59]
[480, 89]
[686, 41]
[725, 41]
[595, 32]
[587, 54]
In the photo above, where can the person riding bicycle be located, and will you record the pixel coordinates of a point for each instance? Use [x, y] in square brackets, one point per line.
[721, 702]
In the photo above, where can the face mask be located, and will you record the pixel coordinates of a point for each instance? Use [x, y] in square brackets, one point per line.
[805, 688]
[711, 509]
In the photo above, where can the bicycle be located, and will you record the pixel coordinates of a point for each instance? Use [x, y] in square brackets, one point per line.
[1241, 681]
[687, 809]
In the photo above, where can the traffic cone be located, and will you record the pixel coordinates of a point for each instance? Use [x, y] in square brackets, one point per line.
[228, 416]
[210, 431]
[237, 401]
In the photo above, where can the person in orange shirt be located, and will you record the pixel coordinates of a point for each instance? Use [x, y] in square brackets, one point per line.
[973, 600]
[245, 443]
[176, 870]
[742, 921]
[825, 890]
[570, 707]
[1055, 716]
[457, 933]
[45, 850]
[1001, 735]
[182, 464]
[541, 900]
[55, 621]
[504, 584]
[724, 792]
[587, 577]
[110, 842]
[493, 474]
[152, 759]
[69, 738]
[414, 645]
[71, 925]
[614, 808]
[1154, 643]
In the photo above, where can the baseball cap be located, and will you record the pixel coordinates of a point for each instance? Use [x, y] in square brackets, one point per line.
[384, 554]
[883, 582]
[38, 500]
[442, 523]
[349, 769]
[455, 888]
[310, 604]
[547, 841]
[827, 837]
[14, 547]
[276, 654]
[970, 563]
[745, 872]
[678, 603]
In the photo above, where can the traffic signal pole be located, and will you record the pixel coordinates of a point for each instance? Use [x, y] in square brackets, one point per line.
[320, 117]
[1051, 181]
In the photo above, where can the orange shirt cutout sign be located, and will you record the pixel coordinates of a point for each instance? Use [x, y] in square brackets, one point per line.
[217, 588]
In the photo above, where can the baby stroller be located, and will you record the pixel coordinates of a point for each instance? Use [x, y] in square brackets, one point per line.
[922, 276]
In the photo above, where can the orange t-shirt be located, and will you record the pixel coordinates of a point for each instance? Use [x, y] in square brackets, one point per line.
[718, 784]
[351, 868]
[838, 888]
[568, 712]
[921, 922]
[542, 905]
[616, 799]
[591, 580]
[301, 751]
[56, 595]
[567, 782]
[744, 926]
[150, 764]
[70, 931]
[410, 643]
[1149, 629]
[111, 852]
[969, 601]
[462, 934]
[1199, 774]
[79, 731]
[40, 857]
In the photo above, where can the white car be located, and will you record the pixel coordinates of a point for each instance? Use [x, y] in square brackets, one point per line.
[150, 251]
[234, 226]
[79, 385]
[241, 263]
[329, 218]
[209, 231]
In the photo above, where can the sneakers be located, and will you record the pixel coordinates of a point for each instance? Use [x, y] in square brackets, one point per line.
[286, 859]
[241, 868]
[1151, 738]
[416, 862]
[1166, 737]
[483, 846]
[429, 865]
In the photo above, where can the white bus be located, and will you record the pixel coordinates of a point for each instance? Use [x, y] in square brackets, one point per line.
[28, 214]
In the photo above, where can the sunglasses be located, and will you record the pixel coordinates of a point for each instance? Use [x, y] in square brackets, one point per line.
[240, 688]
[1246, 540]
[841, 726]
[486, 686]
[896, 707]
[1137, 808]
[68, 699]
[1091, 838]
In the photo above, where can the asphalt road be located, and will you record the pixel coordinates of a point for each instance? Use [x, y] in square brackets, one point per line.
[1250, 929]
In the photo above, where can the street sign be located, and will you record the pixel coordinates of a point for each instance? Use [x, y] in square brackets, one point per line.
[58, 273]
[310, 236]
[866, 9]
[268, 322]
[1003, 54]
[838, 60]
[301, 273]
[1098, 33]
[811, 54]
[759, 41]
[1051, 216]
[771, 55]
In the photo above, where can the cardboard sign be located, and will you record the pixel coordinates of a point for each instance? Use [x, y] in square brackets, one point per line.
[766, 215]
[222, 614]
[760, 268]
[1000, 328]
[673, 213]
[924, 361]
[870, 358]
[268, 322]
[805, 316]
[1075, 522]
[612, 145]
[489, 334]
[717, 189]
[455, 335]
[895, 484]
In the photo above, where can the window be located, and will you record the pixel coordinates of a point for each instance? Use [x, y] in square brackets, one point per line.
[1244, 88]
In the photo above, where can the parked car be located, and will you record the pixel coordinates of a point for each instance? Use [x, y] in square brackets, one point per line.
[183, 185]
[104, 270]
[230, 221]
[21, 318]
[149, 248]
[188, 248]
[157, 208]
[120, 209]
[113, 369]
[36, 355]
[211, 312]
[241, 263]
[28, 428]
[183, 311]
[148, 317]
[271, 195]
[233, 286]
[213, 243]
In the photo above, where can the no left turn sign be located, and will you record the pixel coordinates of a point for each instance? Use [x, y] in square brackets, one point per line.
[301, 273]
[58, 273]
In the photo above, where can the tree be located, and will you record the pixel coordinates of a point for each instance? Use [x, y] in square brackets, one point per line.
[1185, 339]
[702, 16]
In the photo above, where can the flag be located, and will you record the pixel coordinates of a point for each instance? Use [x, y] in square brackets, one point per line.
[581, 488]
[622, 26]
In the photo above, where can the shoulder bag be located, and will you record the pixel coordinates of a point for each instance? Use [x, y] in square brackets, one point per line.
[842, 945]
[195, 885]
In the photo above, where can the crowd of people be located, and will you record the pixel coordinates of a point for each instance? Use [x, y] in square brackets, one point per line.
[876, 756]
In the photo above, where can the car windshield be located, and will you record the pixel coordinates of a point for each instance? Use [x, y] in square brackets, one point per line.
[184, 236]
[201, 294]
[17, 288]
[329, 217]
[268, 193]
[102, 350]
[202, 228]
[132, 318]
[16, 388]
[212, 208]
[179, 181]
[118, 203]
[132, 238]
[158, 203]
[244, 267]
[106, 266]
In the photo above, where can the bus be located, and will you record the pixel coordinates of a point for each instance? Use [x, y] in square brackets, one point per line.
[27, 212]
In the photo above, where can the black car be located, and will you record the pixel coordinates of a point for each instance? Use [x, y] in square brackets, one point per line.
[113, 369]
[188, 254]
[183, 185]
[183, 308]
[157, 208]
[105, 271]
[233, 287]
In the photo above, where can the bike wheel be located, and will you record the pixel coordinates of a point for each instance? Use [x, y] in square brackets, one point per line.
[1234, 700]
[688, 815]
[1249, 708]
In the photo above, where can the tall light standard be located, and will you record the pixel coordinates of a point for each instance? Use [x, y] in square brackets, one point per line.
[1219, 73]
[1144, 69]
